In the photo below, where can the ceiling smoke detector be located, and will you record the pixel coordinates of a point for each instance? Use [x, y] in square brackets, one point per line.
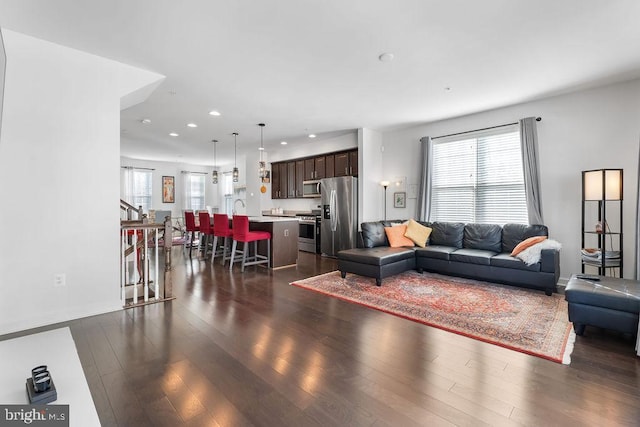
[386, 57]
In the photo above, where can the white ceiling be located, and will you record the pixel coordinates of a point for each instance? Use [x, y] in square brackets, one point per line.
[303, 66]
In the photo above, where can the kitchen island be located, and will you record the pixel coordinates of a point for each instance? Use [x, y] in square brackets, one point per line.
[284, 239]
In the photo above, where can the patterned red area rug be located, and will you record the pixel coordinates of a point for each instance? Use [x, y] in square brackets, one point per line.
[519, 319]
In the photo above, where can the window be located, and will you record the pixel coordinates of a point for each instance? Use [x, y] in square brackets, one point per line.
[195, 192]
[227, 182]
[477, 177]
[138, 187]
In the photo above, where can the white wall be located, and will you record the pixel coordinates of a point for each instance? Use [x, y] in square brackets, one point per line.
[371, 168]
[161, 169]
[59, 165]
[590, 129]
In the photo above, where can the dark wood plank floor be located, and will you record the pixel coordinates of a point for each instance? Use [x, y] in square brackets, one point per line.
[249, 349]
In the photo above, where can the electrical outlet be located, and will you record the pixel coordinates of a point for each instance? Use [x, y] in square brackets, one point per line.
[59, 280]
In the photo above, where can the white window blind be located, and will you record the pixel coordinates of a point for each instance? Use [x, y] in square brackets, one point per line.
[138, 187]
[196, 192]
[477, 177]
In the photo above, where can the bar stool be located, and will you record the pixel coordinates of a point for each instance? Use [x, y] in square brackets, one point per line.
[242, 234]
[221, 229]
[205, 230]
[190, 226]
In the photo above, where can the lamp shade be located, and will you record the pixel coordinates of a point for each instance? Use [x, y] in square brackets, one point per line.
[602, 184]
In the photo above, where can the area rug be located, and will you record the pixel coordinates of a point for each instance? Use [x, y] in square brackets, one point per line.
[519, 319]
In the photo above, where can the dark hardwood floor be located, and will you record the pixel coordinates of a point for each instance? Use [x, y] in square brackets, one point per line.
[249, 349]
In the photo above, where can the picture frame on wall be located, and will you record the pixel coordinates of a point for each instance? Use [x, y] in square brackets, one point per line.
[400, 199]
[267, 177]
[168, 189]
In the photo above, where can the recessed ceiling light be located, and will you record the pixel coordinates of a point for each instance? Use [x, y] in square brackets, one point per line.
[214, 113]
[283, 142]
[386, 57]
[261, 148]
[311, 135]
[192, 125]
[145, 121]
[173, 134]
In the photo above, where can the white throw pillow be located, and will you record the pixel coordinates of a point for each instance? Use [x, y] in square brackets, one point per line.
[532, 254]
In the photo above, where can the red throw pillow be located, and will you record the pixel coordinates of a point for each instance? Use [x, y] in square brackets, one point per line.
[396, 237]
[527, 243]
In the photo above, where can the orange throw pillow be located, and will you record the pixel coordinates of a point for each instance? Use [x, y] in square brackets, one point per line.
[527, 243]
[396, 237]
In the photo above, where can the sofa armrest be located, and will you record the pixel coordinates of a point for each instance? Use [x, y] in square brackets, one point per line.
[550, 261]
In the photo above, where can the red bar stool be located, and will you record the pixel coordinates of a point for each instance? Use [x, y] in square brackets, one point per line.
[205, 231]
[242, 234]
[221, 229]
[190, 226]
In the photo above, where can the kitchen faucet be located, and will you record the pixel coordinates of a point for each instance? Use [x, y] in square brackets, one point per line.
[234, 205]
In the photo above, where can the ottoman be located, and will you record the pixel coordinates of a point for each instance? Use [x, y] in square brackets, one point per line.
[609, 303]
[378, 262]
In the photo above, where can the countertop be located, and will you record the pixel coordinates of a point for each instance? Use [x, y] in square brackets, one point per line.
[272, 219]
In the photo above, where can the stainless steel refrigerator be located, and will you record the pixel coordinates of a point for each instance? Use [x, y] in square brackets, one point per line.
[339, 225]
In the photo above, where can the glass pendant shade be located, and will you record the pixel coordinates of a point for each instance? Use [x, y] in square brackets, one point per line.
[262, 165]
[214, 173]
[235, 174]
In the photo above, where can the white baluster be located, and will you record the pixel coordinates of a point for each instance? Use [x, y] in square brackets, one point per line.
[135, 266]
[155, 277]
[146, 264]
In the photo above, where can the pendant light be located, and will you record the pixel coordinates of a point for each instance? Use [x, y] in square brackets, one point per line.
[262, 165]
[235, 173]
[214, 174]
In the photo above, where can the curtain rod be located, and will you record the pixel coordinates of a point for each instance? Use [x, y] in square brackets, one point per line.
[134, 167]
[195, 173]
[478, 130]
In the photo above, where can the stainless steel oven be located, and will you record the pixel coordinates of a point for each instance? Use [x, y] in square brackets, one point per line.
[309, 234]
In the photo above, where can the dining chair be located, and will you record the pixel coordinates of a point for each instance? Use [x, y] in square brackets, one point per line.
[242, 234]
[221, 229]
[191, 227]
[205, 231]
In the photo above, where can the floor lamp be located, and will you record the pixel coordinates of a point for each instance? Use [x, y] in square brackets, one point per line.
[385, 184]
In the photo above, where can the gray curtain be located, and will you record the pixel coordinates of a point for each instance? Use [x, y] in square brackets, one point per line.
[531, 164]
[637, 240]
[424, 193]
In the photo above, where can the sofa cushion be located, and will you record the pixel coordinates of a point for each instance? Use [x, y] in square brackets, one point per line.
[373, 234]
[472, 256]
[527, 243]
[376, 256]
[418, 233]
[447, 234]
[505, 260]
[512, 234]
[396, 237]
[486, 237]
[437, 252]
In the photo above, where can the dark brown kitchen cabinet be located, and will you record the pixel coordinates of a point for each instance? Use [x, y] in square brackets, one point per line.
[279, 181]
[346, 163]
[330, 169]
[291, 179]
[353, 163]
[309, 169]
[314, 168]
[341, 164]
[299, 177]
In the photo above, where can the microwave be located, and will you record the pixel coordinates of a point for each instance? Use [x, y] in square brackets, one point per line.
[311, 188]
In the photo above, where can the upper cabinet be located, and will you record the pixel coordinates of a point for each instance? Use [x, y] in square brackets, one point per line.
[279, 181]
[346, 163]
[287, 177]
[314, 168]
